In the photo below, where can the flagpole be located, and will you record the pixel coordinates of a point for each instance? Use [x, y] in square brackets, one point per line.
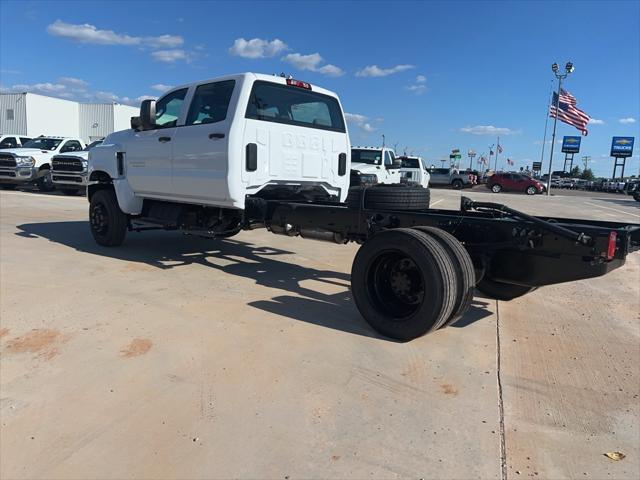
[497, 152]
[568, 68]
[546, 122]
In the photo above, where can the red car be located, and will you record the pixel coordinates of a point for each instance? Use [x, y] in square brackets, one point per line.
[515, 182]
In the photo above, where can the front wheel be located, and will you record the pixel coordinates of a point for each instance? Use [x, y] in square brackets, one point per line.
[45, 183]
[496, 188]
[108, 223]
[530, 190]
[456, 184]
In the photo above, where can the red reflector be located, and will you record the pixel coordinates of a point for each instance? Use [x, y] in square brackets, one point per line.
[611, 247]
[298, 83]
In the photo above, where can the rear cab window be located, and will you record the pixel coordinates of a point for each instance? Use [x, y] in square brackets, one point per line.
[291, 105]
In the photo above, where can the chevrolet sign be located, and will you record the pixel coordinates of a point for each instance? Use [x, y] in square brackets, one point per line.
[622, 146]
[571, 144]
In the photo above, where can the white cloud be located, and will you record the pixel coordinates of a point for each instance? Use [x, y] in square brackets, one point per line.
[87, 33]
[169, 56]
[160, 87]
[359, 121]
[40, 88]
[146, 97]
[627, 120]
[257, 48]
[421, 79]
[595, 121]
[376, 71]
[418, 89]
[73, 82]
[488, 130]
[312, 63]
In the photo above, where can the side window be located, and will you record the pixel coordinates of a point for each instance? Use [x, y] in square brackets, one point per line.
[10, 115]
[168, 108]
[387, 158]
[210, 103]
[9, 142]
[24, 140]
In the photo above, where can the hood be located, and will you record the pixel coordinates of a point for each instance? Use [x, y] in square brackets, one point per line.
[365, 167]
[82, 155]
[26, 152]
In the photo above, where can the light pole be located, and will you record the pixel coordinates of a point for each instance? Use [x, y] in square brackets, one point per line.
[471, 154]
[568, 68]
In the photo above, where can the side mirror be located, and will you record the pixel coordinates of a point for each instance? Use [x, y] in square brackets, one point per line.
[135, 123]
[148, 114]
[397, 163]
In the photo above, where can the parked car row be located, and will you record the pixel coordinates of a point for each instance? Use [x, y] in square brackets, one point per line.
[48, 163]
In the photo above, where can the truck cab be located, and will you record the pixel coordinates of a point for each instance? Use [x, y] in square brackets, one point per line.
[414, 172]
[31, 164]
[371, 165]
[13, 141]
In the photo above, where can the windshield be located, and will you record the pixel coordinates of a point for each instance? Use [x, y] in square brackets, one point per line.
[43, 143]
[92, 144]
[372, 157]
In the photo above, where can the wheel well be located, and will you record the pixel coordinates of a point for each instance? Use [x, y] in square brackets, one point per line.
[104, 183]
[46, 166]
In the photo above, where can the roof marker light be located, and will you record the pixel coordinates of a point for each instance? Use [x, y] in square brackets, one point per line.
[298, 83]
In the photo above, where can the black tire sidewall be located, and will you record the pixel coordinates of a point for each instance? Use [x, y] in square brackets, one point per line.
[117, 220]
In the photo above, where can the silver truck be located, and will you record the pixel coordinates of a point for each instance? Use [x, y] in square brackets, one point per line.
[450, 177]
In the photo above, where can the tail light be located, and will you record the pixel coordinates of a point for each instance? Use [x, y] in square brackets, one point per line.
[298, 83]
[611, 246]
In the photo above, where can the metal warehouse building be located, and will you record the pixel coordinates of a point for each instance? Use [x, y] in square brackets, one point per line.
[32, 115]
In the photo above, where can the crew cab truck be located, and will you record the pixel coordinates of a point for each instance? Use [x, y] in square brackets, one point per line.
[12, 141]
[252, 151]
[31, 164]
[413, 171]
[374, 165]
[450, 177]
[69, 170]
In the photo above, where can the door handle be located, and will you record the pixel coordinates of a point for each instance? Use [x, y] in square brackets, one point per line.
[216, 136]
[164, 139]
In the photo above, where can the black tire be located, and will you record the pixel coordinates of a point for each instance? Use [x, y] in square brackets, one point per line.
[108, 223]
[502, 291]
[457, 184]
[389, 197]
[531, 190]
[45, 183]
[496, 188]
[70, 191]
[403, 283]
[464, 271]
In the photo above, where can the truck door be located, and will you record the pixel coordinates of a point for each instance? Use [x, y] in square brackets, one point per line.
[148, 153]
[393, 173]
[298, 135]
[200, 151]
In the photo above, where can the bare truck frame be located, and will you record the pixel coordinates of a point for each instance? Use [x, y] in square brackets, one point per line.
[417, 267]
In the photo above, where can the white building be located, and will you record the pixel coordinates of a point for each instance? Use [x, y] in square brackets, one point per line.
[32, 115]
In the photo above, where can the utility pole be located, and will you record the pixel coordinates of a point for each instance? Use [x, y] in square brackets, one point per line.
[585, 161]
[568, 69]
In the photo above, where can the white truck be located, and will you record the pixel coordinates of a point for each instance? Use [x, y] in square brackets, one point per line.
[31, 164]
[374, 165]
[414, 171]
[69, 171]
[12, 141]
[250, 151]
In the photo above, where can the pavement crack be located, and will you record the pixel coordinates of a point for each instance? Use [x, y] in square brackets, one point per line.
[503, 450]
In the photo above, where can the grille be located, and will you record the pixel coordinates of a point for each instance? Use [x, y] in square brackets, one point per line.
[66, 178]
[7, 174]
[7, 161]
[66, 164]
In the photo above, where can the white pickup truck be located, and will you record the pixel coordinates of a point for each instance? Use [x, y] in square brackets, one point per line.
[31, 164]
[69, 170]
[374, 165]
[12, 141]
[413, 171]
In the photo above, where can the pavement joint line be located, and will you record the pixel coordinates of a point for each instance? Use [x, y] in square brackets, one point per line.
[614, 209]
[31, 194]
[503, 449]
[437, 202]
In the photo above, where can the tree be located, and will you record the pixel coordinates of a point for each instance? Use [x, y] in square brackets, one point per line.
[587, 174]
[575, 172]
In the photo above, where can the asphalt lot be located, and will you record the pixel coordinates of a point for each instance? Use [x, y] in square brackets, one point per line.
[179, 357]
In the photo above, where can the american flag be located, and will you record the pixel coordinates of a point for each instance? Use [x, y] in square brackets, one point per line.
[483, 159]
[510, 162]
[499, 148]
[568, 112]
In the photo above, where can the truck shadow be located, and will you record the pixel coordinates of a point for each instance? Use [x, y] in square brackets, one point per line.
[303, 288]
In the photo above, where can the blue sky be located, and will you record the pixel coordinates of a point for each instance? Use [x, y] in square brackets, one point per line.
[430, 76]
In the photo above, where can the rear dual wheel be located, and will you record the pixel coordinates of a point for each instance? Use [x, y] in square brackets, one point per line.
[409, 282]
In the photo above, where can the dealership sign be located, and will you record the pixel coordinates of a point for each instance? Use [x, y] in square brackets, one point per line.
[622, 146]
[570, 144]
